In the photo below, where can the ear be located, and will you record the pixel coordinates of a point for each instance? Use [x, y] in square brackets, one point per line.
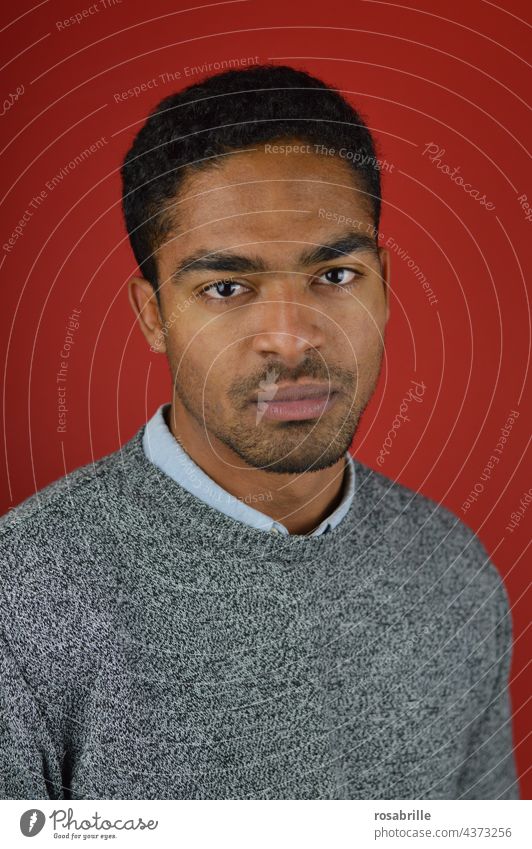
[384, 256]
[144, 303]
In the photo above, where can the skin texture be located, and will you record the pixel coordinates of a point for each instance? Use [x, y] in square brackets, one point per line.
[292, 320]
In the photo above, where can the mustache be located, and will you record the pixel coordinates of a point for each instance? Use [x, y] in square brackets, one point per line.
[319, 372]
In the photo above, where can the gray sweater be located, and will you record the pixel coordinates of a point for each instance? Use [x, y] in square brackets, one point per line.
[154, 648]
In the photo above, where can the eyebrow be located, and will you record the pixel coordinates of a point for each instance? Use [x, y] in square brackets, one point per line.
[202, 260]
[225, 261]
[349, 243]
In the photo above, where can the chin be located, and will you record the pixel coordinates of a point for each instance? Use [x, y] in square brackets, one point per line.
[290, 451]
[295, 466]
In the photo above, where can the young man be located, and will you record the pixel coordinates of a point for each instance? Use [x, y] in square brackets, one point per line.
[231, 606]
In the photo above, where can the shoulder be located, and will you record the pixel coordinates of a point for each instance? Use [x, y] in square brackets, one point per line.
[66, 510]
[58, 578]
[442, 547]
[56, 563]
[448, 581]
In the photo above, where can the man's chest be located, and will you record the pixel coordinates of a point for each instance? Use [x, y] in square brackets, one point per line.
[319, 697]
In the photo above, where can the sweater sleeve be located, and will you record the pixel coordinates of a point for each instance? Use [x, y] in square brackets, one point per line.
[29, 766]
[489, 771]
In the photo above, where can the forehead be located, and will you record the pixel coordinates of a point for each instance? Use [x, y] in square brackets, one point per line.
[266, 196]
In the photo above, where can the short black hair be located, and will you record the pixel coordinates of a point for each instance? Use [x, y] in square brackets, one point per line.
[223, 113]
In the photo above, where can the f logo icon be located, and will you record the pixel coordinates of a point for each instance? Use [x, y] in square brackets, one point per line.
[31, 822]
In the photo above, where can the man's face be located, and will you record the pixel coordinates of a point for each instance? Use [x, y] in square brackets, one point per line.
[262, 285]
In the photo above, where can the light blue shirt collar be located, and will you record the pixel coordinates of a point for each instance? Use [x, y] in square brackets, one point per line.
[165, 452]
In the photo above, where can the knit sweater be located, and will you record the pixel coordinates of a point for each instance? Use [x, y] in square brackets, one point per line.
[155, 648]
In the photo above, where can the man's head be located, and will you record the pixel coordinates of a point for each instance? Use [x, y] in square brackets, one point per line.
[252, 201]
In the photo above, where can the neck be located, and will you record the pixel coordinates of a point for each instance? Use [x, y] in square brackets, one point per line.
[299, 501]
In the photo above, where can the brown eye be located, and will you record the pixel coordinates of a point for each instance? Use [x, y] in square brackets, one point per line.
[219, 291]
[340, 276]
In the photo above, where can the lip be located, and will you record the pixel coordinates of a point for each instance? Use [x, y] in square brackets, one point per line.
[296, 401]
[294, 391]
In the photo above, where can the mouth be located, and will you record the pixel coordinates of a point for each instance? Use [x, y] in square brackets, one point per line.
[296, 401]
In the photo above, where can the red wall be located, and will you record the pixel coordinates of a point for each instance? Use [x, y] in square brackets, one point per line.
[449, 73]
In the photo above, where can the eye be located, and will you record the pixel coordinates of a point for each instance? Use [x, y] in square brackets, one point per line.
[340, 277]
[220, 290]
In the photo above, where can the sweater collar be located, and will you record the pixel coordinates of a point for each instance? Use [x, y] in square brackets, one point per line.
[166, 452]
[184, 519]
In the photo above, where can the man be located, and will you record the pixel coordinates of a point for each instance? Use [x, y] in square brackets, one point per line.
[231, 606]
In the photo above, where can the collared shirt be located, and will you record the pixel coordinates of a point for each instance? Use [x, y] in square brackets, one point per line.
[165, 452]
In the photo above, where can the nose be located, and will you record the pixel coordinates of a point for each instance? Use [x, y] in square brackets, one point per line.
[287, 326]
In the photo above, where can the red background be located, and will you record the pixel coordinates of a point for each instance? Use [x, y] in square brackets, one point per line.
[452, 73]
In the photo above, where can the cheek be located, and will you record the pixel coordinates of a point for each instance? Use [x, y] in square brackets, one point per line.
[185, 339]
[200, 362]
[364, 334]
